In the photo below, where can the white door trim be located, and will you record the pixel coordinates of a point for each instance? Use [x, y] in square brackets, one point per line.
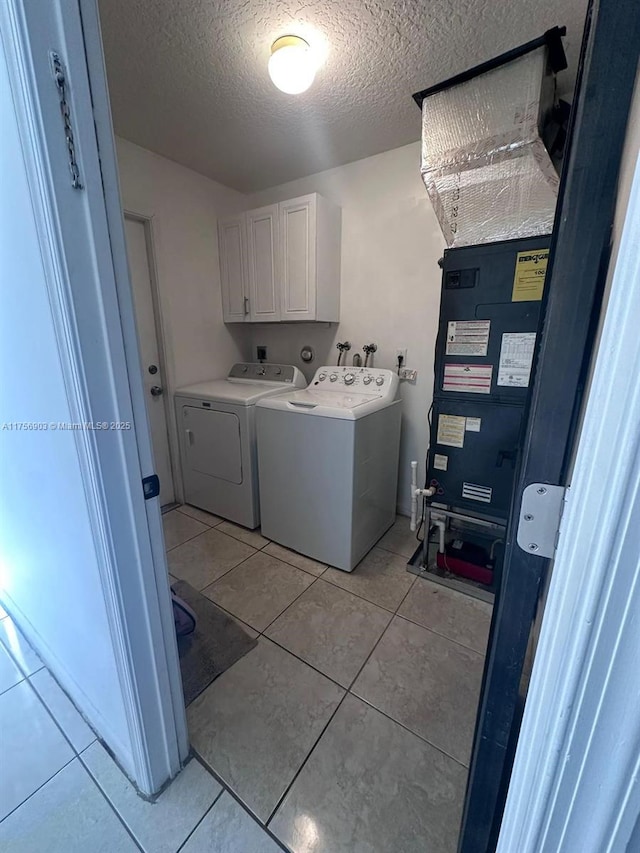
[93, 317]
[147, 222]
[574, 784]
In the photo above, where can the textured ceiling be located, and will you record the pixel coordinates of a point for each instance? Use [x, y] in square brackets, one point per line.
[188, 78]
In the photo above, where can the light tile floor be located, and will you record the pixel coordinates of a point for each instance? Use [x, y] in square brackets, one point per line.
[346, 730]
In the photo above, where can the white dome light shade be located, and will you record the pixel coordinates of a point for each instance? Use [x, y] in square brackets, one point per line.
[292, 65]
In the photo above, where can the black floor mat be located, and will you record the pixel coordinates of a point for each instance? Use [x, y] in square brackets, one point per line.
[216, 644]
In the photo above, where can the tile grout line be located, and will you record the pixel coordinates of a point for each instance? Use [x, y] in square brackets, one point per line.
[439, 634]
[357, 595]
[224, 574]
[291, 603]
[410, 731]
[40, 787]
[75, 754]
[103, 793]
[237, 565]
[7, 689]
[350, 688]
[306, 663]
[233, 795]
[207, 811]
[288, 565]
[306, 759]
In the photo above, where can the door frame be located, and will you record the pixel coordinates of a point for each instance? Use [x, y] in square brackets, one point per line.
[581, 713]
[578, 263]
[92, 310]
[147, 221]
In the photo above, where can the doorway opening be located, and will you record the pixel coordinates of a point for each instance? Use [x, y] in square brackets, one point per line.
[144, 283]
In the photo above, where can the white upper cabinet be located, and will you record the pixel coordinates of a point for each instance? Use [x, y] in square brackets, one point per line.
[264, 269]
[292, 252]
[233, 268]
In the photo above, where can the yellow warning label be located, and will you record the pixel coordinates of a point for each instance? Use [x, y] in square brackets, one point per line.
[528, 281]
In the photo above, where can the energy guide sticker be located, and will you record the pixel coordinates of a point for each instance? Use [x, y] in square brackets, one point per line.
[528, 279]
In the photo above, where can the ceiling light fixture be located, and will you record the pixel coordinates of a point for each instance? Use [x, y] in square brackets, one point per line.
[292, 65]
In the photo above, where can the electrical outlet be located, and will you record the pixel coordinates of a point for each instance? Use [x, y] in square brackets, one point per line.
[403, 353]
[408, 373]
[261, 353]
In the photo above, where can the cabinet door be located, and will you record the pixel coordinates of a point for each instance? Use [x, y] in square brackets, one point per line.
[298, 257]
[262, 242]
[233, 268]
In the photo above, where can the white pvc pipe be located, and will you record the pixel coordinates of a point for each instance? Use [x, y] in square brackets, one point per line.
[414, 496]
[417, 493]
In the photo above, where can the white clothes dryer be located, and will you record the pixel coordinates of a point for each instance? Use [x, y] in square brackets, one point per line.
[216, 430]
[328, 463]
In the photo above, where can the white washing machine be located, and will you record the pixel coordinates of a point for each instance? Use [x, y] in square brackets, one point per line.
[328, 462]
[217, 434]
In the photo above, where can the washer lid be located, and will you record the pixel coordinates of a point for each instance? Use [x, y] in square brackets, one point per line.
[328, 404]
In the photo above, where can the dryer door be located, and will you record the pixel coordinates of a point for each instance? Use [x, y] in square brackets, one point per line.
[212, 443]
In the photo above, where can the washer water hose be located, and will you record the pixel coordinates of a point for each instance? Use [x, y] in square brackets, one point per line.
[343, 347]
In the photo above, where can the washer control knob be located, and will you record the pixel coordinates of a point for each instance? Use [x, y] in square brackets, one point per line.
[333, 377]
[379, 380]
[244, 368]
[349, 378]
[277, 371]
[322, 377]
[368, 380]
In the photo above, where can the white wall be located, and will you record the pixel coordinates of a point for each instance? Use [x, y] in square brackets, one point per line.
[183, 207]
[49, 575]
[390, 290]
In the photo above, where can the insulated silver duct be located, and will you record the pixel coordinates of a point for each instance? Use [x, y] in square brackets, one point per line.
[484, 164]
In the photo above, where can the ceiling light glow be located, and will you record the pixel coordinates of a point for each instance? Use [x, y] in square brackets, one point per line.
[292, 65]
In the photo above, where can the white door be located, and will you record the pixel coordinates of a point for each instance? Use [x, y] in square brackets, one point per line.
[150, 353]
[262, 239]
[298, 258]
[232, 242]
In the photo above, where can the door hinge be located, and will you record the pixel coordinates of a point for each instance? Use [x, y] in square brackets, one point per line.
[151, 487]
[539, 522]
[61, 82]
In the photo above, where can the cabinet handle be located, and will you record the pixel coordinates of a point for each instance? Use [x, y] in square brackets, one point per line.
[246, 305]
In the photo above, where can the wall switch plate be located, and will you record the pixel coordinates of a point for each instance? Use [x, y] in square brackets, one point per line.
[408, 373]
[261, 353]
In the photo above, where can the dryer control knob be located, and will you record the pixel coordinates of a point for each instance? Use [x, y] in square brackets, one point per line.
[333, 377]
[322, 377]
[368, 380]
[379, 380]
[349, 378]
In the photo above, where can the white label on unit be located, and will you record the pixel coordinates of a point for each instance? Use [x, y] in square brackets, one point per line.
[473, 424]
[440, 462]
[516, 357]
[472, 378]
[472, 492]
[468, 337]
[451, 430]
